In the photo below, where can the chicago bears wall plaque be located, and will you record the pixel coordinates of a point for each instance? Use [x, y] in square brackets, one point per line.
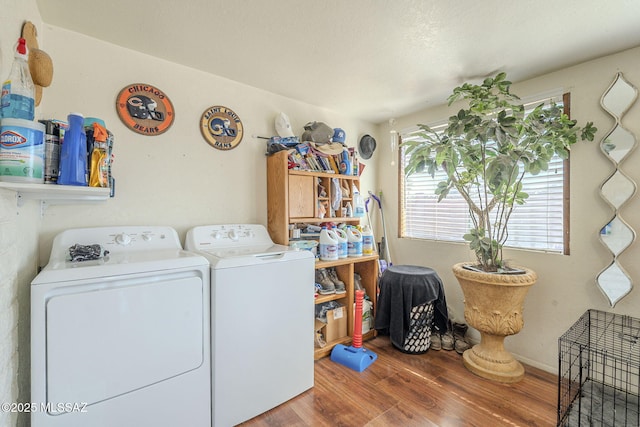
[145, 109]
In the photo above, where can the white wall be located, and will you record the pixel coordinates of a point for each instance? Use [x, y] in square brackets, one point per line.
[566, 286]
[18, 245]
[175, 178]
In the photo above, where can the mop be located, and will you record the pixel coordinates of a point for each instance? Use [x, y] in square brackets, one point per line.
[354, 356]
[366, 207]
[385, 256]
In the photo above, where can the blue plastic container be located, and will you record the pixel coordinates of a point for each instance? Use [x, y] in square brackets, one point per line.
[73, 153]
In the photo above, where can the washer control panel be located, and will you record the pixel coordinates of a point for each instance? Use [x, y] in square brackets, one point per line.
[116, 239]
[227, 235]
[144, 238]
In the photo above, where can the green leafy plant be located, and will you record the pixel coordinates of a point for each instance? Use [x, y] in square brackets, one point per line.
[485, 151]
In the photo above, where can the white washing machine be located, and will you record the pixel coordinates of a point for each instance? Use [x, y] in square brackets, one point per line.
[124, 339]
[262, 319]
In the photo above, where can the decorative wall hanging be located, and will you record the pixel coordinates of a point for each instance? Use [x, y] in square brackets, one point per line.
[145, 109]
[221, 127]
[617, 189]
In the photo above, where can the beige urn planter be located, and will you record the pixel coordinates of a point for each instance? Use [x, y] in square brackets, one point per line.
[493, 304]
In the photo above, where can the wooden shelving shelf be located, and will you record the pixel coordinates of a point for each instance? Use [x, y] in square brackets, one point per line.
[293, 199]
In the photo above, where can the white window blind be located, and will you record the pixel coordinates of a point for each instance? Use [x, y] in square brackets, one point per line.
[539, 224]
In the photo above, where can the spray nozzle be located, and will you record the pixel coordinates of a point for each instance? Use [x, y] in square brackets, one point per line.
[21, 48]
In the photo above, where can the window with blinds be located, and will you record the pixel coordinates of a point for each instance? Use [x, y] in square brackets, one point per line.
[539, 224]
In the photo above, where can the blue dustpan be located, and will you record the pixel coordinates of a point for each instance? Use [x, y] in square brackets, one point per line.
[355, 358]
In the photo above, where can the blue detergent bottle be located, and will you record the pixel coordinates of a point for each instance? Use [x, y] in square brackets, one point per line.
[18, 92]
[73, 153]
[345, 164]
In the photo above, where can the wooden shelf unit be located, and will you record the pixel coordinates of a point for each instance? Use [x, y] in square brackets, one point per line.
[367, 268]
[293, 198]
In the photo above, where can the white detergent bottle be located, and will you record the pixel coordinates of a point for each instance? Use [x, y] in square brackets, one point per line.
[358, 203]
[367, 240]
[328, 245]
[343, 250]
[367, 316]
[348, 210]
[354, 242]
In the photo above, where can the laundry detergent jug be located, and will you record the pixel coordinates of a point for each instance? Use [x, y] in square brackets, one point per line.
[358, 203]
[328, 245]
[367, 240]
[343, 249]
[354, 242]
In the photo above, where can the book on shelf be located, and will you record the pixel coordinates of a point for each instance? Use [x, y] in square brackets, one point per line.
[333, 164]
[313, 164]
[324, 161]
[303, 158]
[296, 158]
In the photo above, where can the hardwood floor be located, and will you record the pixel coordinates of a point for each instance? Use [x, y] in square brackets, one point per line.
[433, 389]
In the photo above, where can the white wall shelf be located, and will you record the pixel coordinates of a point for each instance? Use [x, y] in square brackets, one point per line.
[56, 194]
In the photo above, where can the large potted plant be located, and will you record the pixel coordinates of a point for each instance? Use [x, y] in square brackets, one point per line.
[485, 151]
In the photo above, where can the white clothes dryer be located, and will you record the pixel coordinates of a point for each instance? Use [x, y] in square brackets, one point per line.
[262, 319]
[122, 339]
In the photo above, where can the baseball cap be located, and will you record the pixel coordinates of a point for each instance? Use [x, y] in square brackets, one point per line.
[283, 126]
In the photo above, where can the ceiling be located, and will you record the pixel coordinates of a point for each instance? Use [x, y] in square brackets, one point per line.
[369, 59]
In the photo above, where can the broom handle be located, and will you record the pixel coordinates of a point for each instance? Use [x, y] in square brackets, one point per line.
[357, 321]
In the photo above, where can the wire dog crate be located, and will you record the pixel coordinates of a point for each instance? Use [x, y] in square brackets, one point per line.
[599, 371]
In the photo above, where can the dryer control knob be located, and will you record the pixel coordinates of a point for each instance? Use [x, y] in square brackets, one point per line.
[217, 235]
[233, 235]
[123, 239]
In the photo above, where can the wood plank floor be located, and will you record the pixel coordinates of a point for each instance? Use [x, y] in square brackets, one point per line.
[433, 389]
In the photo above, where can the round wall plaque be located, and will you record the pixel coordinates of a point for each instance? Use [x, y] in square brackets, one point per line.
[221, 127]
[145, 109]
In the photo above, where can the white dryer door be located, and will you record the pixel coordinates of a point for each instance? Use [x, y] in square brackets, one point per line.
[114, 338]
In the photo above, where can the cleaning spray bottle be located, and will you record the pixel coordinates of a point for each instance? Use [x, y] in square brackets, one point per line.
[99, 158]
[18, 92]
